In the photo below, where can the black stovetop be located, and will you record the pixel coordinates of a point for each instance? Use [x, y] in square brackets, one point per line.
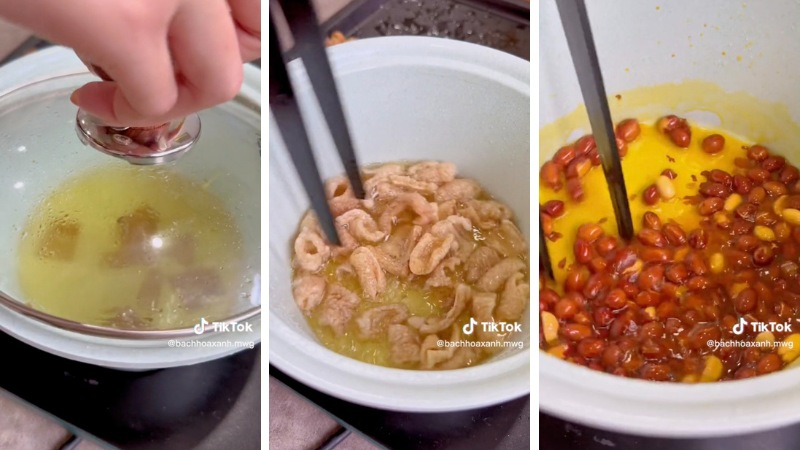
[214, 405]
[557, 434]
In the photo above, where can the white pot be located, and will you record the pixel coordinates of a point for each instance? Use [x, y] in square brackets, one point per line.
[406, 99]
[40, 148]
[737, 67]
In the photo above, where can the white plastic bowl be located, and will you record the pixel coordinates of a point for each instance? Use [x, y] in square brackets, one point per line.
[751, 51]
[406, 99]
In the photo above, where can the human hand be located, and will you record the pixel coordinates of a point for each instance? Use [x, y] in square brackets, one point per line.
[246, 15]
[167, 59]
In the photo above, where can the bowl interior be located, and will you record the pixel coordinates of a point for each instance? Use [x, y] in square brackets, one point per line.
[405, 99]
[39, 150]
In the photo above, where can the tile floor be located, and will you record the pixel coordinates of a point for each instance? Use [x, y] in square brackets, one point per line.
[296, 424]
[22, 428]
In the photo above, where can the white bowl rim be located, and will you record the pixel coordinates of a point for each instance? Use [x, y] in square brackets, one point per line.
[411, 391]
[642, 407]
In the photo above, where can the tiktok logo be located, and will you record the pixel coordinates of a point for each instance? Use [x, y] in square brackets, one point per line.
[739, 327]
[470, 327]
[201, 327]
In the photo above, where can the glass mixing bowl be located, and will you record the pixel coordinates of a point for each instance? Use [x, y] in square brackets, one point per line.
[200, 264]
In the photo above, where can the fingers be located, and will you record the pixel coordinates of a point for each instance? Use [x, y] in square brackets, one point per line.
[209, 61]
[146, 81]
[197, 66]
[141, 88]
[246, 15]
[144, 86]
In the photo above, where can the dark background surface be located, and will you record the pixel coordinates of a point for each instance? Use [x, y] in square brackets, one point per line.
[499, 24]
[557, 434]
[503, 427]
[213, 405]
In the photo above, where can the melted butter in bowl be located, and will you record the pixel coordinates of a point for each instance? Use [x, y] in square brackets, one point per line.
[132, 248]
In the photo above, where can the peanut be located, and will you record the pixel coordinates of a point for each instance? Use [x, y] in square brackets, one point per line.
[732, 202]
[717, 263]
[650, 195]
[791, 350]
[628, 130]
[579, 167]
[666, 189]
[736, 289]
[764, 233]
[557, 351]
[765, 336]
[722, 220]
[549, 327]
[635, 268]
[779, 204]
[713, 144]
[791, 216]
[690, 378]
[550, 174]
[713, 369]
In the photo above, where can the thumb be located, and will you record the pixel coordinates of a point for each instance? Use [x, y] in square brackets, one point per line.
[97, 99]
[104, 100]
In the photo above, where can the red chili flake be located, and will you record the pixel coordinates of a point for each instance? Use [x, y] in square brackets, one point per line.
[693, 199]
[562, 263]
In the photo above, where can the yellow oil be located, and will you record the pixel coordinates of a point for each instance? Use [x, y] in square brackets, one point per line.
[420, 300]
[131, 247]
[647, 157]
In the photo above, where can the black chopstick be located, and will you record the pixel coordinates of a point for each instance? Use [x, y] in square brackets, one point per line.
[286, 112]
[545, 263]
[578, 31]
[308, 45]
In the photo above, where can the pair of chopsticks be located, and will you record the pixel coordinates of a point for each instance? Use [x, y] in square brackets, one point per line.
[308, 43]
[578, 31]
